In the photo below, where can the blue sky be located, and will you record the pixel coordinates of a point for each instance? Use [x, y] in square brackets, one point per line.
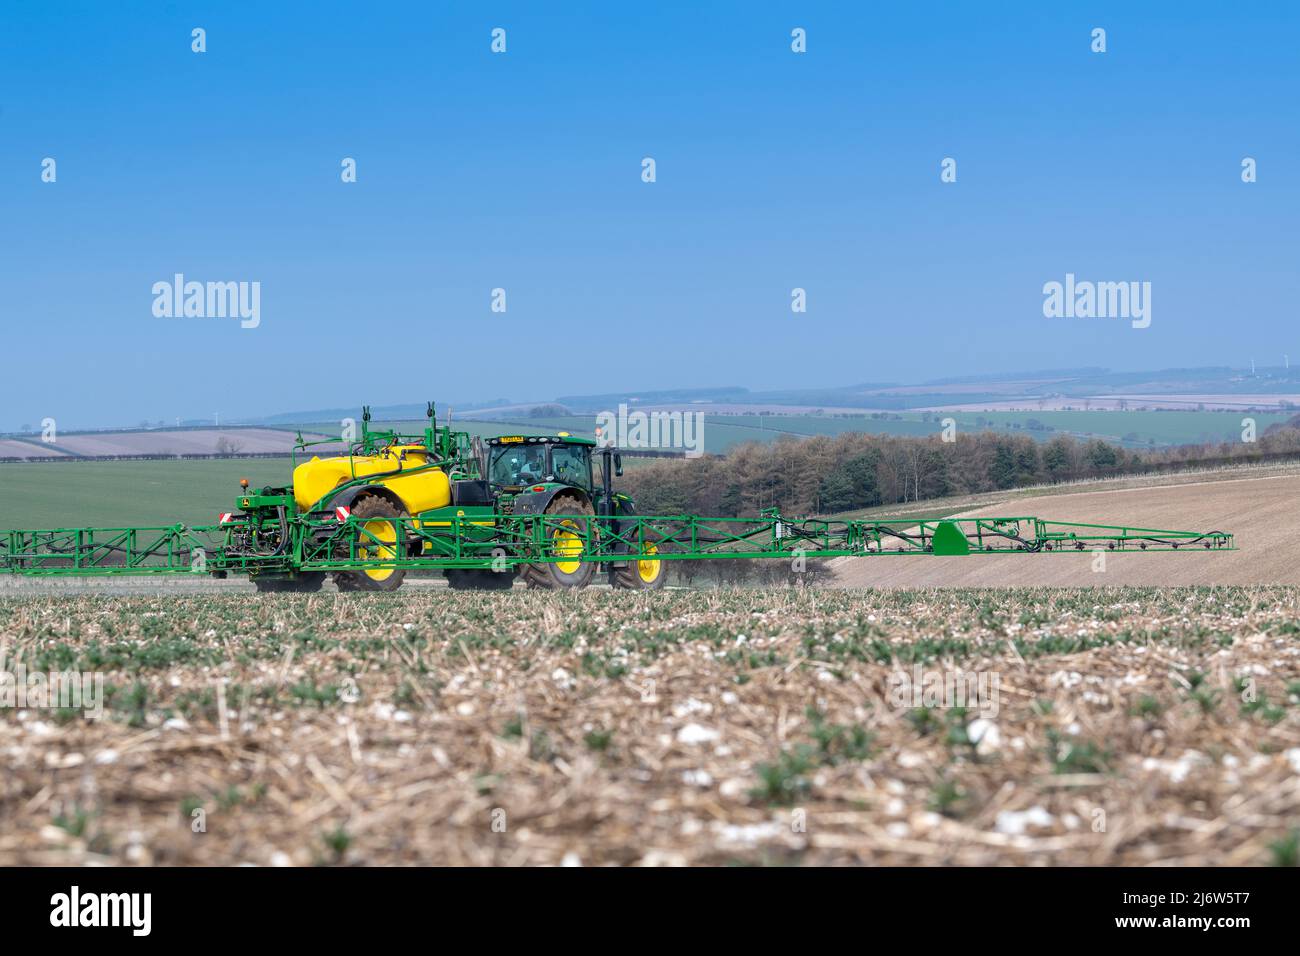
[523, 171]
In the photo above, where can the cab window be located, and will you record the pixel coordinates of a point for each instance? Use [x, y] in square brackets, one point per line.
[517, 464]
[570, 464]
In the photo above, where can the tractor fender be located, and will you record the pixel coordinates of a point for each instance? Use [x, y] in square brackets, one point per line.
[349, 496]
[536, 502]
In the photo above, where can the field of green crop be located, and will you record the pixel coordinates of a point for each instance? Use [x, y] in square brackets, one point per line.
[141, 493]
[1135, 427]
[1132, 428]
[118, 493]
[779, 726]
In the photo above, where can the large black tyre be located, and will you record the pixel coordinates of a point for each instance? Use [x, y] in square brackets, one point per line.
[385, 579]
[562, 575]
[308, 582]
[646, 574]
[472, 579]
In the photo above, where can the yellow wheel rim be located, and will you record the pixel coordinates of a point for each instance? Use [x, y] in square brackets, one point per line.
[649, 569]
[385, 532]
[567, 544]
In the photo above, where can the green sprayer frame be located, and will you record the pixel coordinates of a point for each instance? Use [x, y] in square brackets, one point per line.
[270, 537]
[502, 542]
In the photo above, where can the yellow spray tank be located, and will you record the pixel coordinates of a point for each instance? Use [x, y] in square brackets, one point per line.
[423, 491]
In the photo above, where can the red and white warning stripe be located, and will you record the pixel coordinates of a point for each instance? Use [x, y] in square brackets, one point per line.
[225, 517]
[342, 512]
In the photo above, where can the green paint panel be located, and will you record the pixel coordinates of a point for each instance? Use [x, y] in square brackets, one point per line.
[948, 539]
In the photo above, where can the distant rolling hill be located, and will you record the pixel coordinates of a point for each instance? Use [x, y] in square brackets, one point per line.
[1045, 389]
[183, 441]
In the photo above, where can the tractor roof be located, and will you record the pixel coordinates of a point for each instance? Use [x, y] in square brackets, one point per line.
[539, 439]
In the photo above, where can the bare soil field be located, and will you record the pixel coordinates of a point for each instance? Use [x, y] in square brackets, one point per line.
[9, 448]
[1262, 512]
[205, 441]
[1124, 726]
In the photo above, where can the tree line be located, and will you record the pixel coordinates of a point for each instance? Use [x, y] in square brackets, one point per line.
[854, 470]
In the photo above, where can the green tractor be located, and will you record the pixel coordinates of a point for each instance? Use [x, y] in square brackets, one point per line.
[487, 512]
[408, 495]
[556, 475]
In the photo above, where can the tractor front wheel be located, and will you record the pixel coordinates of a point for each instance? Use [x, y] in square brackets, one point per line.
[646, 573]
[565, 538]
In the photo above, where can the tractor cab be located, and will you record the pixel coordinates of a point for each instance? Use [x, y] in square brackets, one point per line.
[552, 476]
[519, 462]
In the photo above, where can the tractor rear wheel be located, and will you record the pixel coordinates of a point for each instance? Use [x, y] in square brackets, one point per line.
[566, 541]
[379, 541]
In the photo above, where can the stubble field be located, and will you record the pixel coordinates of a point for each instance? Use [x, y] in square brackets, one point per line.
[1134, 726]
